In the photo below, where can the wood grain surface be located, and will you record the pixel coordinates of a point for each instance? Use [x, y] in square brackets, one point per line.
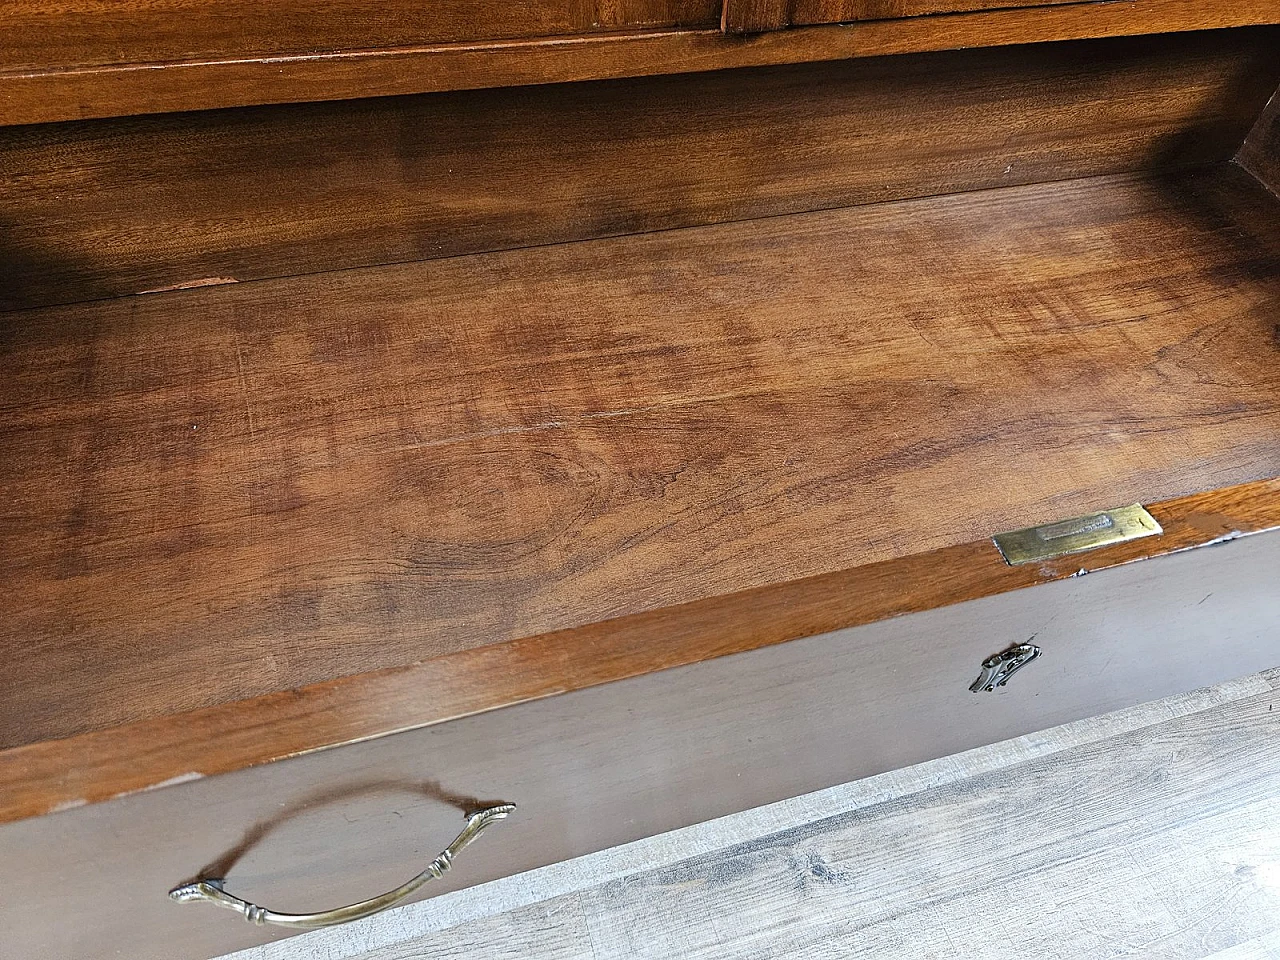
[602, 766]
[1175, 859]
[753, 16]
[46, 35]
[109, 208]
[55, 92]
[837, 11]
[223, 492]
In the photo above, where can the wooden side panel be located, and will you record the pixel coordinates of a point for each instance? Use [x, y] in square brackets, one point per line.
[110, 208]
[626, 760]
[1260, 154]
[74, 34]
[219, 493]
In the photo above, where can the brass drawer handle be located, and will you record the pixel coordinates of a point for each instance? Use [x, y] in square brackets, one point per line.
[211, 891]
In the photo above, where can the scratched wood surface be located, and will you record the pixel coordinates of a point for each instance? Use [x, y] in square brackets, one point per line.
[1152, 832]
[218, 493]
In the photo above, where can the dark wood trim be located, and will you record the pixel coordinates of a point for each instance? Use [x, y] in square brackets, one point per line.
[70, 92]
[44, 777]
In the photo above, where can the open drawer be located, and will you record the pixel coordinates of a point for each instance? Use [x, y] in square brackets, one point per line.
[656, 482]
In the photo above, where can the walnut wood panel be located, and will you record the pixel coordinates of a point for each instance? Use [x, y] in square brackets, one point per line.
[49, 35]
[223, 492]
[43, 95]
[107, 208]
[1260, 154]
[751, 16]
[602, 766]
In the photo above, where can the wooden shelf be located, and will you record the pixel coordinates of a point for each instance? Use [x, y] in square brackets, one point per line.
[217, 493]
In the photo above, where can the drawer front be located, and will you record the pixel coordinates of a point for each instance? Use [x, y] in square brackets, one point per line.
[618, 762]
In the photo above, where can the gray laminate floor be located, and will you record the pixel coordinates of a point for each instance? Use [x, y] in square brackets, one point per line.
[1153, 832]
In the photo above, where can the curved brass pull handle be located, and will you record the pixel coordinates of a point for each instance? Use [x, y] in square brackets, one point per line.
[211, 891]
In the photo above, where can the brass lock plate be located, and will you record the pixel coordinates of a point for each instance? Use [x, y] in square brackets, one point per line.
[1077, 535]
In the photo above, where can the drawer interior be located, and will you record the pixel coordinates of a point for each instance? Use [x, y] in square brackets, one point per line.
[234, 488]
